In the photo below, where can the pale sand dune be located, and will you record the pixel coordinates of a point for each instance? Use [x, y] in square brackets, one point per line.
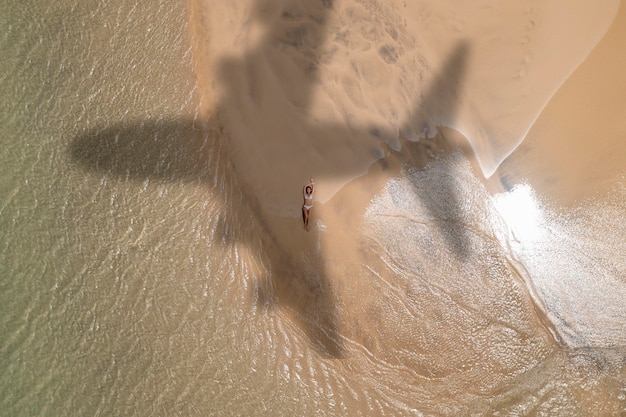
[311, 90]
[521, 53]
[577, 147]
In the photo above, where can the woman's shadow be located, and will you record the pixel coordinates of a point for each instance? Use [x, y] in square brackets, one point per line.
[187, 151]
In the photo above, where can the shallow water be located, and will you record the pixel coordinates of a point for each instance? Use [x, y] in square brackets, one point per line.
[137, 278]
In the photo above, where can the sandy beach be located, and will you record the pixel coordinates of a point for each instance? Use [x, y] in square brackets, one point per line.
[465, 255]
[575, 150]
[365, 97]
[302, 95]
[498, 91]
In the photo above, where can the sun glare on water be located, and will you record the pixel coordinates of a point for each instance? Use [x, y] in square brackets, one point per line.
[521, 212]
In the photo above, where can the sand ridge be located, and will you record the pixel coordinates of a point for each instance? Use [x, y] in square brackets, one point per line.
[576, 149]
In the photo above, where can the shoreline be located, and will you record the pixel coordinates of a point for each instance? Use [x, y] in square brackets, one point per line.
[576, 151]
[304, 273]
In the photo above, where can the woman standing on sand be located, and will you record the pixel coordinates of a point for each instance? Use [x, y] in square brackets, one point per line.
[307, 193]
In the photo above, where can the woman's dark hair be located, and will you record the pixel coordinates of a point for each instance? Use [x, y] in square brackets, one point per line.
[308, 189]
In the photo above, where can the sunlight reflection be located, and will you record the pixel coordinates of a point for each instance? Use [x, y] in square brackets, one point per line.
[521, 212]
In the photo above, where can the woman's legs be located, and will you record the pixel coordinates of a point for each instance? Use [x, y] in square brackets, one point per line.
[305, 217]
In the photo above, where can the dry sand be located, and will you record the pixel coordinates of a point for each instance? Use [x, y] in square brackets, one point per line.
[576, 150]
[325, 87]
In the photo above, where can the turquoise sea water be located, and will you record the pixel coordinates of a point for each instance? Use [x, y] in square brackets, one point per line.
[136, 280]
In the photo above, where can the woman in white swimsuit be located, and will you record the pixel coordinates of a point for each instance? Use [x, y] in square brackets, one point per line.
[307, 192]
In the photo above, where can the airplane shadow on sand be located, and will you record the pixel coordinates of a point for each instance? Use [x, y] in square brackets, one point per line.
[180, 150]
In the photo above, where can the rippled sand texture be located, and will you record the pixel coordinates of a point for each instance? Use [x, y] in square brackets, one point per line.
[152, 257]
